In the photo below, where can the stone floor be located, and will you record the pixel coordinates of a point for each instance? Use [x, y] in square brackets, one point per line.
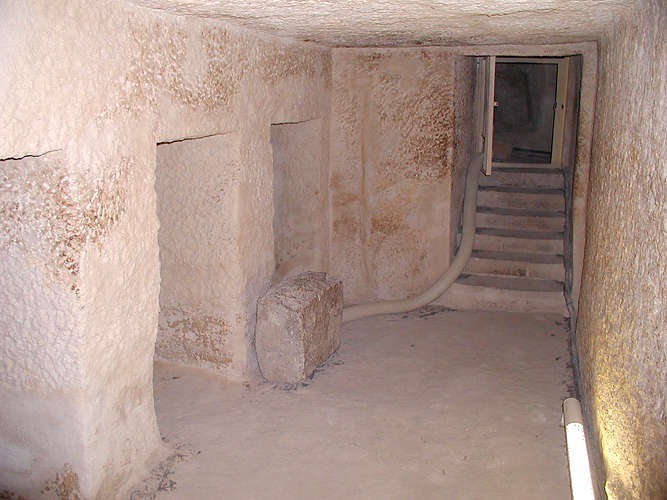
[433, 404]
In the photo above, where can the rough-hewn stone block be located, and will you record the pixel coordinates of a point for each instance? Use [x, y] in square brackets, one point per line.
[298, 326]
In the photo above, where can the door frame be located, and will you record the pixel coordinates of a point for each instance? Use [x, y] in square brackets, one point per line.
[483, 110]
[486, 101]
[560, 104]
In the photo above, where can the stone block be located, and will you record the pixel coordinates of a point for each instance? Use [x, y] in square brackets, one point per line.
[298, 326]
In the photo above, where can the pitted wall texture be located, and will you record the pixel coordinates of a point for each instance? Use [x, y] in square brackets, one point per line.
[392, 153]
[201, 276]
[90, 89]
[92, 86]
[622, 340]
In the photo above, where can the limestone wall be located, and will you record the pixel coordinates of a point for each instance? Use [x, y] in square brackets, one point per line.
[392, 154]
[464, 146]
[88, 90]
[621, 335]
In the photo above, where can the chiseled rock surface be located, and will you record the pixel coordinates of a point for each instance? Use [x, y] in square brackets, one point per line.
[399, 23]
[112, 116]
[298, 326]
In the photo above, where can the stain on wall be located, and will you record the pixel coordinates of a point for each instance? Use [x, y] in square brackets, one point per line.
[192, 337]
[621, 336]
[43, 203]
[65, 486]
[392, 147]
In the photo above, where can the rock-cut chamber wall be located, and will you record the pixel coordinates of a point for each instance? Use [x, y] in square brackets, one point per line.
[397, 117]
[89, 90]
[621, 334]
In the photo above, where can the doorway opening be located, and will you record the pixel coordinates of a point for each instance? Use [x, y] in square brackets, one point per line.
[525, 102]
[529, 109]
[299, 205]
[199, 292]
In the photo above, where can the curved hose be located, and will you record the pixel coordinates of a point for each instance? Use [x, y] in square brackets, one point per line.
[449, 276]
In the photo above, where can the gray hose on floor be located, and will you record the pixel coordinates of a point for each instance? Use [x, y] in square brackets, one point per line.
[351, 313]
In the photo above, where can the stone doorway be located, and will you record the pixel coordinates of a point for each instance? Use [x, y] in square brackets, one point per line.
[200, 289]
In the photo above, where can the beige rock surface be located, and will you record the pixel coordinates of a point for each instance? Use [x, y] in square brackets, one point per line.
[461, 405]
[464, 141]
[91, 88]
[298, 326]
[392, 152]
[395, 22]
[622, 339]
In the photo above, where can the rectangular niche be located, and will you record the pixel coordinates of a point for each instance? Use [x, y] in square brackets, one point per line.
[299, 221]
[197, 186]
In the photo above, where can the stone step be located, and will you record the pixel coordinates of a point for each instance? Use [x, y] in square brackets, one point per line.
[523, 165]
[524, 177]
[522, 190]
[521, 233]
[521, 198]
[506, 282]
[517, 261]
[518, 241]
[529, 222]
[520, 212]
[534, 168]
[538, 258]
[527, 180]
[482, 298]
[512, 264]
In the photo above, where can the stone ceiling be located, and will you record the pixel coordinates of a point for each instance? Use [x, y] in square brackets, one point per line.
[412, 22]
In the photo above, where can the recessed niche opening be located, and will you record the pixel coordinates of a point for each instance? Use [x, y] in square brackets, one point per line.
[299, 220]
[195, 199]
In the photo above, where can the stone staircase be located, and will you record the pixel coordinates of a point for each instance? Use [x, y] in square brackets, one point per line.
[517, 259]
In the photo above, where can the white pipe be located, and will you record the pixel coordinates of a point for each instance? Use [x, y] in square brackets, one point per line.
[449, 276]
[577, 451]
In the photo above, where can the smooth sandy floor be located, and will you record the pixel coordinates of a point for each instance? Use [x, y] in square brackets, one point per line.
[431, 405]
